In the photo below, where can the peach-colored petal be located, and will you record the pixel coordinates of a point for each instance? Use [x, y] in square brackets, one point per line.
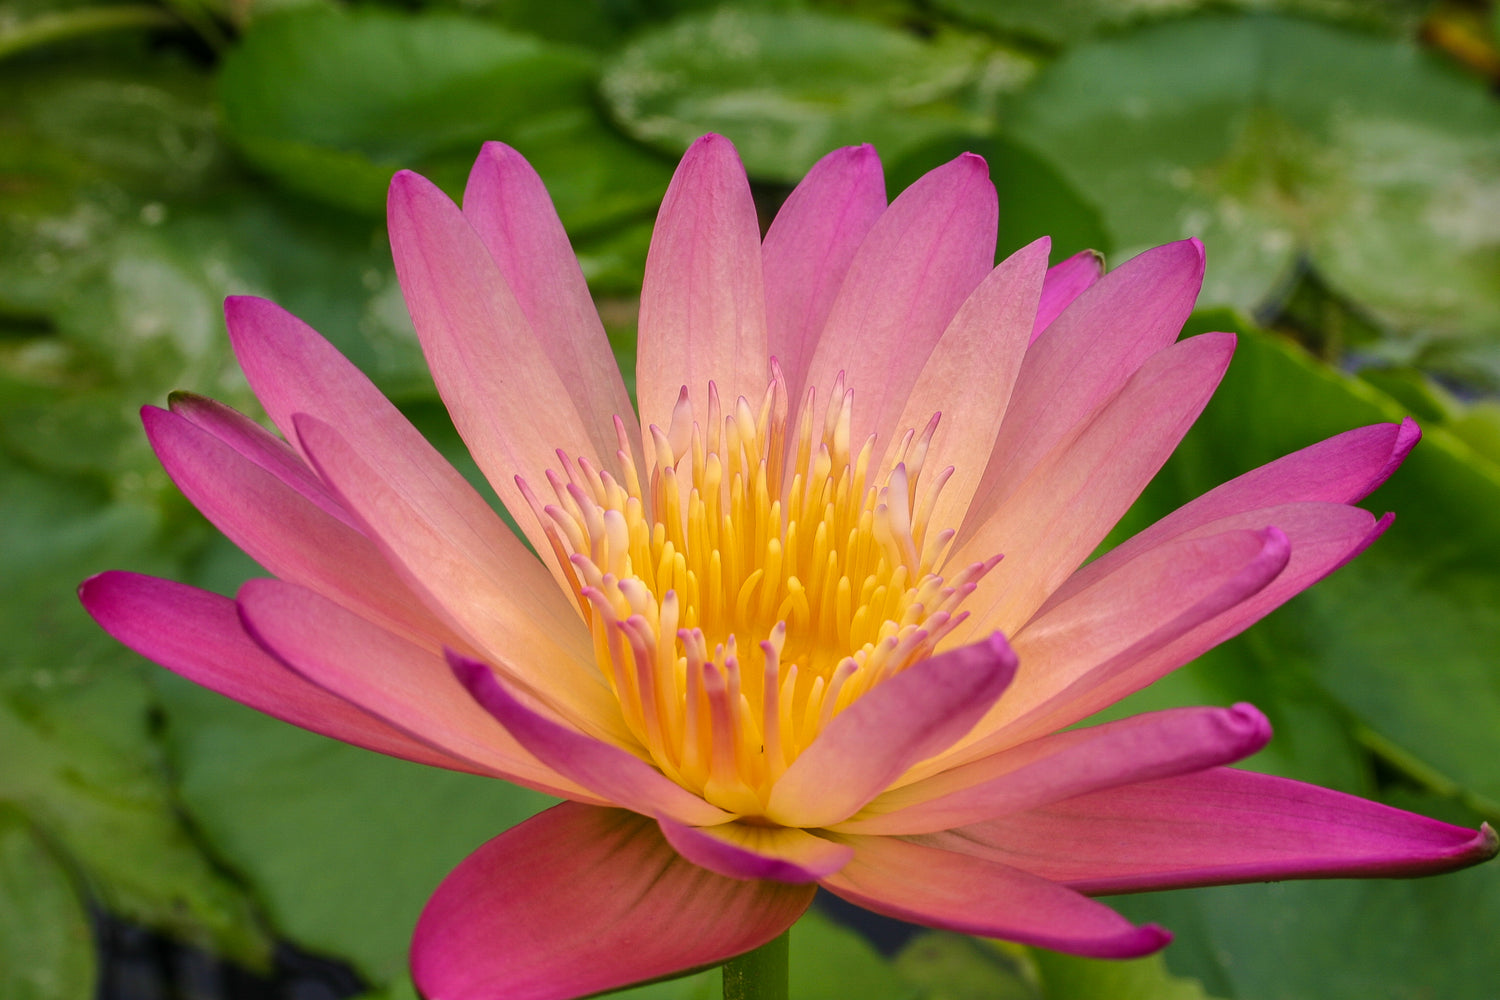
[1062, 765]
[1075, 494]
[969, 376]
[199, 635]
[958, 892]
[608, 771]
[1066, 280]
[511, 211]
[808, 250]
[1089, 352]
[922, 258]
[507, 401]
[703, 303]
[580, 900]
[405, 685]
[1215, 827]
[919, 712]
[739, 850]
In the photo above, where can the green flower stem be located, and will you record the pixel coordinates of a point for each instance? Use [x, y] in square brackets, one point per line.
[760, 974]
[49, 28]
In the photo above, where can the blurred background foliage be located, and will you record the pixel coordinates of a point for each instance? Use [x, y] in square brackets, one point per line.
[1340, 159]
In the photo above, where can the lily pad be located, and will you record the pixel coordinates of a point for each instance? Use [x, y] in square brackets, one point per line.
[46, 952]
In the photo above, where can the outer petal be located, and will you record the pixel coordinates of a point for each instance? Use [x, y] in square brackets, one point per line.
[1092, 349]
[579, 900]
[1216, 827]
[809, 248]
[509, 208]
[911, 716]
[1066, 280]
[508, 402]
[1060, 766]
[1071, 499]
[738, 850]
[702, 301]
[198, 635]
[405, 685]
[608, 771]
[961, 893]
[923, 257]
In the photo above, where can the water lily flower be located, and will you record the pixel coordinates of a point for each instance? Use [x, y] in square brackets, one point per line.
[822, 616]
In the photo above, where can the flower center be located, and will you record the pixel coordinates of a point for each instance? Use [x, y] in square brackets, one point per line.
[750, 588]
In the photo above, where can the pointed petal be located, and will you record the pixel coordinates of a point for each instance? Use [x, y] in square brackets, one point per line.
[508, 206]
[1092, 349]
[703, 301]
[922, 258]
[580, 900]
[1217, 827]
[1071, 499]
[606, 770]
[969, 376]
[493, 598]
[957, 892]
[402, 684]
[737, 850]
[198, 635]
[1060, 766]
[911, 716]
[808, 250]
[507, 401]
[1066, 280]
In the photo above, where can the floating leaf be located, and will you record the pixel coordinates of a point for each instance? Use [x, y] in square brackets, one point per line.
[46, 952]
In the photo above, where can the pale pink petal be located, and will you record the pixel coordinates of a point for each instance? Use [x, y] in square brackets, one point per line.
[922, 258]
[198, 635]
[808, 250]
[1090, 351]
[703, 303]
[281, 524]
[580, 900]
[739, 850]
[1215, 827]
[611, 773]
[1070, 500]
[509, 404]
[405, 685]
[957, 892]
[969, 376]
[508, 206]
[1066, 280]
[1062, 765]
[904, 719]
[492, 598]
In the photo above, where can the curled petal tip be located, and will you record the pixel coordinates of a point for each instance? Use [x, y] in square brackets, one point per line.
[1251, 723]
[1486, 843]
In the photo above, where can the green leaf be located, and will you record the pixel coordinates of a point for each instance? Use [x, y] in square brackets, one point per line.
[944, 966]
[1069, 977]
[46, 951]
[1276, 140]
[788, 87]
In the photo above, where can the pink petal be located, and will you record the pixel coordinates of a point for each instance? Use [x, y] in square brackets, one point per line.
[580, 900]
[402, 684]
[1066, 280]
[198, 635]
[488, 589]
[282, 525]
[508, 402]
[923, 257]
[738, 850]
[606, 770]
[808, 250]
[1090, 351]
[957, 892]
[969, 376]
[703, 301]
[1060, 766]
[1065, 507]
[509, 208]
[904, 719]
[1216, 827]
